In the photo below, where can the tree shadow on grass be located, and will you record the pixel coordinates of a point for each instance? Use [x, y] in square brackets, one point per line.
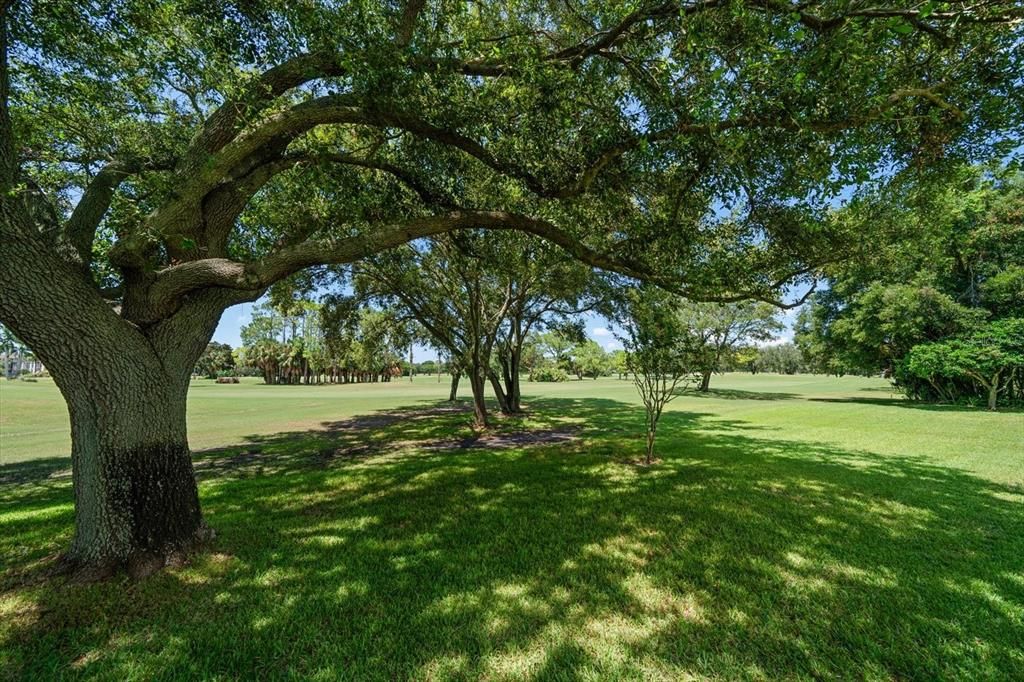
[915, 404]
[34, 470]
[737, 394]
[890, 389]
[740, 556]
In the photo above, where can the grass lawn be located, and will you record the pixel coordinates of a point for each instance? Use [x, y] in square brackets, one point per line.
[796, 527]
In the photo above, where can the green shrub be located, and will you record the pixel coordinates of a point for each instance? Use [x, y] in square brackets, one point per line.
[550, 374]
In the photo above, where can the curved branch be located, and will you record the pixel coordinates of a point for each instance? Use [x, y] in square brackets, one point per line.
[339, 109]
[175, 281]
[345, 109]
[80, 228]
[223, 124]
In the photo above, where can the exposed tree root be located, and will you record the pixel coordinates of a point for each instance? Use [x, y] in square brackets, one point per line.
[138, 565]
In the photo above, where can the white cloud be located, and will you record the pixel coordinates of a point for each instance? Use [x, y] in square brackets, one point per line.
[600, 331]
[613, 345]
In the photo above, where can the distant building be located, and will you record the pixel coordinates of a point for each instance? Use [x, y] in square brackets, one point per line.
[18, 363]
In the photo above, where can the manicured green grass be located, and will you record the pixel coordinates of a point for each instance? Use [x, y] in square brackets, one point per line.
[34, 421]
[796, 527]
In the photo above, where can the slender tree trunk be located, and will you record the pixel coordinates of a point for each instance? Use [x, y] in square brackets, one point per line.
[477, 382]
[654, 405]
[510, 370]
[453, 394]
[705, 380]
[499, 393]
[993, 392]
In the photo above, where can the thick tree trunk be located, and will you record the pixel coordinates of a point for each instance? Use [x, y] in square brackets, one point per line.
[136, 501]
[705, 380]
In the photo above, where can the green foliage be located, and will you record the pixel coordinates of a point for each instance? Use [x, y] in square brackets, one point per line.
[720, 329]
[619, 361]
[991, 358]
[661, 353]
[783, 358]
[549, 374]
[217, 360]
[556, 346]
[1003, 292]
[590, 360]
[767, 109]
[336, 340]
[889, 319]
[947, 257]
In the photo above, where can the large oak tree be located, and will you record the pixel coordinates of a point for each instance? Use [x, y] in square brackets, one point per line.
[162, 160]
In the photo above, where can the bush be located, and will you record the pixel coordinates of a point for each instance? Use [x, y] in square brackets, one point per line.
[987, 362]
[550, 374]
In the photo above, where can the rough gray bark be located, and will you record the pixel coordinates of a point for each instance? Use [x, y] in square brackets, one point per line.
[136, 502]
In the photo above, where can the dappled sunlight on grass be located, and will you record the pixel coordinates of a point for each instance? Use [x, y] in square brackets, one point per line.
[363, 549]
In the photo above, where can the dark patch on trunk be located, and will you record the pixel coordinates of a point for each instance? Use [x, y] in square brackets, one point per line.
[154, 486]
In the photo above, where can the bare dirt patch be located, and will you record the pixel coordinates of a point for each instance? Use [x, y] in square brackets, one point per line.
[504, 441]
[365, 436]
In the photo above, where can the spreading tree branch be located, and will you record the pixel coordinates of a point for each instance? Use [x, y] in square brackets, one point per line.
[177, 280]
[80, 228]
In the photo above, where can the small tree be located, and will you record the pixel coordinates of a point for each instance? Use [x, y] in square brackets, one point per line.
[590, 360]
[215, 359]
[659, 351]
[722, 327]
[557, 344]
[619, 362]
